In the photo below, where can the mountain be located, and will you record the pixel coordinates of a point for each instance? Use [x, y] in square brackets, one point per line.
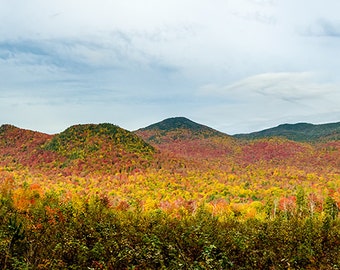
[302, 132]
[82, 140]
[80, 149]
[109, 149]
[12, 136]
[178, 123]
[184, 137]
[102, 147]
[177, 128]
[21, 146]
[286, 144]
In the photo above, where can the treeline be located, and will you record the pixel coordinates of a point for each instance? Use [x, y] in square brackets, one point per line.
[90, 234]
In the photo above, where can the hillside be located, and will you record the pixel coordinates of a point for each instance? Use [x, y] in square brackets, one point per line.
[21, 146]
[81, 141]
[106, 148]
[184, 137]
[14, 137]
[286, 145]
[80, 149]
[100, 148]
[303, 132]
[177, 128]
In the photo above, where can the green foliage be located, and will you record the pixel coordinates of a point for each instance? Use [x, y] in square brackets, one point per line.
[177, 128]
[102, 147]
[55, 235]
[331, 208]
[177, 123]
[81, 140]
[301, 132]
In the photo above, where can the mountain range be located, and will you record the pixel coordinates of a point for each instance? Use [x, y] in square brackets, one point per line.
[302, 132]
[107, 148]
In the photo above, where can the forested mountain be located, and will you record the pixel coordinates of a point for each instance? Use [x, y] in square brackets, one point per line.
[177, 128]
[81, 141]
[107, 147]
[182, 128]
[81, 148]
[303, 132]
[22, 146]
[184, 137]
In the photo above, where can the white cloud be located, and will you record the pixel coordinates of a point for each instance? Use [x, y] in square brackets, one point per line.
[270, 98]
[251, 59]
[284, 85]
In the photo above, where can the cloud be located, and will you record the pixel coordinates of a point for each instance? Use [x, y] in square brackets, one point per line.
[259, 11]
[104, 78]
[71, 54]
[324, 28]
[241, 63]
[280, 97]
[79, 62]
[282, 85]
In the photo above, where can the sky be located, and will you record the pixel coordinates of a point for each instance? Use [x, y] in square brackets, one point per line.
[234, 65]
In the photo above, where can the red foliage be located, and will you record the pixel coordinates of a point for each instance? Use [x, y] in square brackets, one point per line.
[287, 203]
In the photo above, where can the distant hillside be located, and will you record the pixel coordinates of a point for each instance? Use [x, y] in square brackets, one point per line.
[184, 137]
[80, 149]
[101, 147]
[302, 132]
[21, 146]
[177, 128]
[11, 136]
[108, 149]
[81, 140]
[178, 123]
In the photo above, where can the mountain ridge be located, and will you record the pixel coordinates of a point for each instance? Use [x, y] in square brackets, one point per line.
[177, 128]
[292, 131]
[106, 148]
[176, 123]
[185, 138]
[82, 148]
[301, 132]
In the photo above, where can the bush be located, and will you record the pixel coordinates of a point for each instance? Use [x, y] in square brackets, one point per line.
[53, 234]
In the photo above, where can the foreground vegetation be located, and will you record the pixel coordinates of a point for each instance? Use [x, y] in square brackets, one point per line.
[54, 235]
[44, 227]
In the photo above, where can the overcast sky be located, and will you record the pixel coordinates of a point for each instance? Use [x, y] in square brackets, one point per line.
[235, 65]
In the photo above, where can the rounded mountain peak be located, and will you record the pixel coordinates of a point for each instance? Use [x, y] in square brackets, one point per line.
[176, 123]
[177, 128]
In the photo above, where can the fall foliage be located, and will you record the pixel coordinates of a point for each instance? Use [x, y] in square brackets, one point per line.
[179, 197]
